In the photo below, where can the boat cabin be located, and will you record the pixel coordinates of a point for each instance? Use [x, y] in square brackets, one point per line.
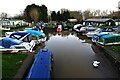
[100, 22]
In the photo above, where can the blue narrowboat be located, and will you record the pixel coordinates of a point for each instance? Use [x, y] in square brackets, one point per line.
[42, 66]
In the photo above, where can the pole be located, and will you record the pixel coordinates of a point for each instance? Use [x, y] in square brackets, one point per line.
[119, 13]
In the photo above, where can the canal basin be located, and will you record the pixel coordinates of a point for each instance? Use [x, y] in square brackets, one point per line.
[74, 55]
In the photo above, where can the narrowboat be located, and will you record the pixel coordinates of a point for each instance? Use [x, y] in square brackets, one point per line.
[42, 65]
[110, 39]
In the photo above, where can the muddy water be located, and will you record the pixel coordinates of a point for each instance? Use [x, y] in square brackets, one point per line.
[74, 55]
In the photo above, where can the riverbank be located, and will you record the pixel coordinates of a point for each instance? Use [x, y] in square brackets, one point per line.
[61, 64]
[113, 56]
[25, 67]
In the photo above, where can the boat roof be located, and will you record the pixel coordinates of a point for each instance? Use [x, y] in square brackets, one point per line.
[109, 35]
[12, 40]
[35, 32]
[19, 33]
[7, 42]
[99, 20]
[101, 34]
[41, 65]
[107, 30]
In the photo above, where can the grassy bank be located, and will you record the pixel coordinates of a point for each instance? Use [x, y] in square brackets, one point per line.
[116, 49]
[11, 63]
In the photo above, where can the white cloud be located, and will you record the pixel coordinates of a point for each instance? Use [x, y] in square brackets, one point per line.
[15, 6]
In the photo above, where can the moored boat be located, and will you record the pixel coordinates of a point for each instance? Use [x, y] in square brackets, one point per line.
[96, 37]
[37, 35]
[110, 39]
[100, 30]
[17, 41]
[59, 29]
[42, 66]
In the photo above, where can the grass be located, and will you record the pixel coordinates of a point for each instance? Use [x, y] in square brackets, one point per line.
[11, 63]
[116, 48]
[105, 26]
[71, 25]
[51, 26]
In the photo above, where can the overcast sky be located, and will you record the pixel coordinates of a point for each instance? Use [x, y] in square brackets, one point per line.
[14, 7]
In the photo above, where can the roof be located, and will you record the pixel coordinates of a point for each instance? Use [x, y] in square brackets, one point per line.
[34, 32]
[7, 42]
[109, 35]
[19, 33]
[41, 66]
[99, 34]
[100, 20]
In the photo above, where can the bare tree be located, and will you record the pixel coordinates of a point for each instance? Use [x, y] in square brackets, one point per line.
[3, 15]
[94, 13]
[98, 12]
[104, 13]
[87, 14]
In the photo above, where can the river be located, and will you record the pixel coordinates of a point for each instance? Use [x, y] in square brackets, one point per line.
[74, 54]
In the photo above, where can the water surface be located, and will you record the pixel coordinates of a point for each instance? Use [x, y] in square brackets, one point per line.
[74, 55]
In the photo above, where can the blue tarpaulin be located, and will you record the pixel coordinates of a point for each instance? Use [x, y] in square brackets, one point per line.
[7, 42]
[34, 32]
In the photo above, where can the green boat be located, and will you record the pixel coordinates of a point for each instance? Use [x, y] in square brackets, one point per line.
[110, 39]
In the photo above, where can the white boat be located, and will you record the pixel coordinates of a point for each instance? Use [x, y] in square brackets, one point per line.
[86, 29]
[59, 29]
[77, 27]
[17, 41]
[14, 45]
[100, 30]
[4, 28]
[37, 36]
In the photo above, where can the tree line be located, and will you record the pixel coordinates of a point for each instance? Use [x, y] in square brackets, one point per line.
[36, 13]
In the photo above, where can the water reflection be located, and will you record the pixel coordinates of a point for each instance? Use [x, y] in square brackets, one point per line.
[74, 54]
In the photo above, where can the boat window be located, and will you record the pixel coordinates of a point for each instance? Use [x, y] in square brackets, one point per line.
[98, 30]
[29, 38]
[15, 36]
[25, 39]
